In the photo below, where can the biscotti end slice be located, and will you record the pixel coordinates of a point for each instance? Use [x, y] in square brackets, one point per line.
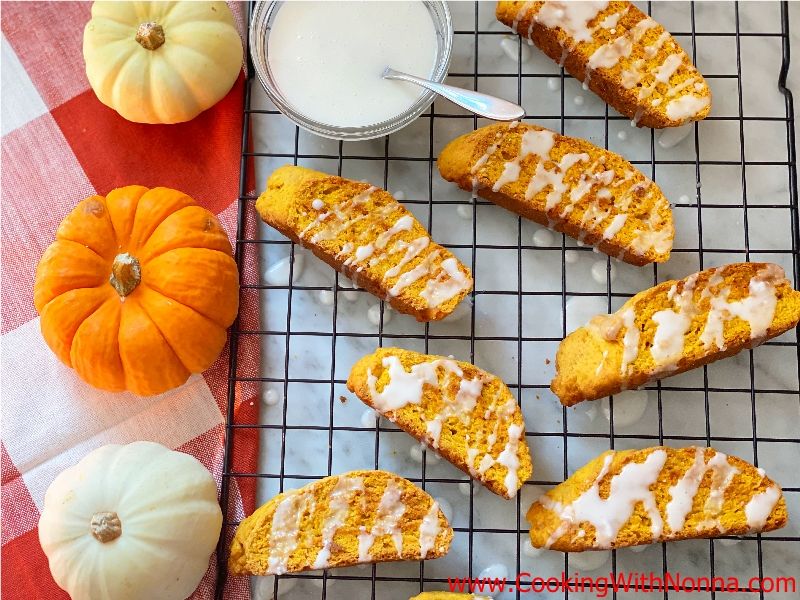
[369, 236]
[567, 184]
[623, 55]
[467, 415]
[634, 497]
[673, 327]
[339, 521]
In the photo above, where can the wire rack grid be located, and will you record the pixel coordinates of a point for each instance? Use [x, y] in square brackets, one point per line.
[738, 203]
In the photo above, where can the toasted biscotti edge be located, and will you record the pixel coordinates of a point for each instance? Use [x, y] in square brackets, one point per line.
[543, 522]
[275, 206]
[578, 378]
[455, 163]
[357, 383]
[260, 520]
[575, 63]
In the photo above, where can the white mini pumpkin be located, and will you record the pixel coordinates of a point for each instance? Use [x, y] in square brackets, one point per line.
[161, 62]
[132, 522]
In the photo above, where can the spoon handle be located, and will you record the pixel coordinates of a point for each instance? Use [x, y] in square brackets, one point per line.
[484, 105]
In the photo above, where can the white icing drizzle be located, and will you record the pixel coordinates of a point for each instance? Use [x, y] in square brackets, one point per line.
[758, 309]
[534, 142]
[672, 325]
[334, 221]
[390, 511]
[722, 475]
[652, 237]
[616, 224]
[523, 10]
[429, 530]
[285, 529]
[630, 341]
[608, 55]
[338, 507]
[572, 17]
[651, 50]
[686, 107]
[608, 515]
[405, 387]
[449, 279]
[509, 458]
[446, 284]
[409, 277]
[554, 178]
[760, 507]
[412, 249]
[466, 398]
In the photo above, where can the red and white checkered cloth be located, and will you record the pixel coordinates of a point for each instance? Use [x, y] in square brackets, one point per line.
[60, 145]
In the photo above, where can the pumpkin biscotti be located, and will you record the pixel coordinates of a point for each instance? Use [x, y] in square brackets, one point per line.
[567, 184]
[620, 53]
[467, 415]
[369, 236]
[340, 521]
[674, 327]
[634, 497]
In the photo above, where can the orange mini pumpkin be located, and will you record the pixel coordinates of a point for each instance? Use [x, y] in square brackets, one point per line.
[138, 289]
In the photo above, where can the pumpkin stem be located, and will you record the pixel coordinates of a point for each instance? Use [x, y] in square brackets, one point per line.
[126, 274]
[150, 35]
[105, 526]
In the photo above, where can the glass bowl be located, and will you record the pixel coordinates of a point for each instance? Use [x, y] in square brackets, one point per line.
[260, 27]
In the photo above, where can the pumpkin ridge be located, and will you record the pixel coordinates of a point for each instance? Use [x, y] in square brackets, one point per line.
[143, 305]
[193, 247]
[195, 93]
[152, 223]
[116, 87]
[170, 298]
[150, 255]
[130, 385]
[213, 59]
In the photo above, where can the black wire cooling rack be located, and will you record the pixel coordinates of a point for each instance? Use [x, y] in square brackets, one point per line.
[763, 404]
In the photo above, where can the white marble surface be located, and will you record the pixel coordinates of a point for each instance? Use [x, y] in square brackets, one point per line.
[449, 216]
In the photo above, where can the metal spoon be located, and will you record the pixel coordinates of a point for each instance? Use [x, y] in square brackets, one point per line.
[481, 104]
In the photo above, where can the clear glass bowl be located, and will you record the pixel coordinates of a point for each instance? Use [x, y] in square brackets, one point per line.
[260, 27]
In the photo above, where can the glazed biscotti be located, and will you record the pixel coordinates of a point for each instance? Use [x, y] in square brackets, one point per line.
[339, 521]
[464, 413]
[673, 327]
[620, 53]
[634, 497]
[567, 184]
[369, 236]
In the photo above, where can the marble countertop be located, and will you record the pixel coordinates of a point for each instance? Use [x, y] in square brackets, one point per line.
[561, 273]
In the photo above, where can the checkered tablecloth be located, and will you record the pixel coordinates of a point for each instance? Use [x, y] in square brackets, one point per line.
[60, 145]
